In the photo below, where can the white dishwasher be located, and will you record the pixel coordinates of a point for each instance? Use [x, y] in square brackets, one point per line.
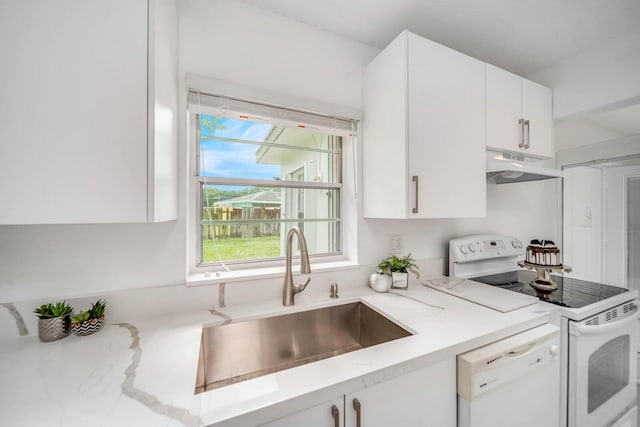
[512, 382]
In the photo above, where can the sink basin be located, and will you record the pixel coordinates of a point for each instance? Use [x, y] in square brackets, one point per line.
[239, 351]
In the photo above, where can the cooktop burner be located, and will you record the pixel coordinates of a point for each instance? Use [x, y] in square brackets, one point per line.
[570, 293]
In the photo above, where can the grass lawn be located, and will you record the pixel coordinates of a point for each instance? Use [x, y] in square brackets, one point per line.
[240, 248]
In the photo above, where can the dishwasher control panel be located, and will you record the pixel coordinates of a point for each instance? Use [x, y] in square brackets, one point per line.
[489, 367]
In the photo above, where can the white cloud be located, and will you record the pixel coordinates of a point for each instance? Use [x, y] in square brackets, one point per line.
[257, 132]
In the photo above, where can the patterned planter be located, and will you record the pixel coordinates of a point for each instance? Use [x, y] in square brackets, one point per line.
[87, 327]
[54, 328]
[399, 280]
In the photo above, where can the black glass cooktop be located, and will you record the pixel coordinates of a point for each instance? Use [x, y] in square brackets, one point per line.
[570, 293]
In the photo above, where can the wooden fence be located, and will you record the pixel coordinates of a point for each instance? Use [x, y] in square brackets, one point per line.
[234, 229]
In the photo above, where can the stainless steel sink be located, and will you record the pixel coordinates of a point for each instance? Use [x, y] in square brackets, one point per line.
[240, 351]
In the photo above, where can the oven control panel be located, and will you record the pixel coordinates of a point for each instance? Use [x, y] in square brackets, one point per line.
[483, 247]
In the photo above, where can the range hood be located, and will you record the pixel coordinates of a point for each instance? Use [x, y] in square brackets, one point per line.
[505, 168]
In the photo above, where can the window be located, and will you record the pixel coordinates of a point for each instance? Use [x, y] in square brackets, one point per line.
[260, 171]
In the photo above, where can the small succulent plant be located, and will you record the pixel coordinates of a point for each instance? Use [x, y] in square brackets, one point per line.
[95, 312]
[49, 311]
[80, 317]
[395, 264]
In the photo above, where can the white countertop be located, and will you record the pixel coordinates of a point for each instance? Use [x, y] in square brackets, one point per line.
[142, 373]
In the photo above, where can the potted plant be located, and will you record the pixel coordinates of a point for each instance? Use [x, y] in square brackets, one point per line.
[54, 321]
[89, 321]
[399, 268]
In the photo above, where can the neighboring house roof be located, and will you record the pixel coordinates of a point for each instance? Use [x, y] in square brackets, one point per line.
[272, 136]
[262, 199]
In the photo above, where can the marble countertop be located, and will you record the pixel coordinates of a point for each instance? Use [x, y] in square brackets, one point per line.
[143, 372]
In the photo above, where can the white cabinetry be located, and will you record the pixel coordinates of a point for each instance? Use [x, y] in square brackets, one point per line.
[519, 114]
[422, 398]
[88, 110]
[423, 132]
[327, 414]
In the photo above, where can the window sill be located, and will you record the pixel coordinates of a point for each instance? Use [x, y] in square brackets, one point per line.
[211, 278]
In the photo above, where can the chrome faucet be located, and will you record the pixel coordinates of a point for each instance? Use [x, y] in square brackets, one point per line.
[289, 290]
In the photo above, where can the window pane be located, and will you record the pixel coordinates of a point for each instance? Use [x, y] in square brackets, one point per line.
[244, 223]
[242, 149]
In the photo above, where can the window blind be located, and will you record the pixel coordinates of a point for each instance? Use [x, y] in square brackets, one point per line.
[222, 106]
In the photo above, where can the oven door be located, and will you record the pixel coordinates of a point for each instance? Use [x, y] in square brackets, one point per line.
[602, 366]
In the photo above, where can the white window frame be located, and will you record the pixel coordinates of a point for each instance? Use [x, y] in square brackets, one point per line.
[348, 209]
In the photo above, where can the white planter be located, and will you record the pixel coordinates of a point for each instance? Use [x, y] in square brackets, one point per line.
[399, 280]
[380, 282]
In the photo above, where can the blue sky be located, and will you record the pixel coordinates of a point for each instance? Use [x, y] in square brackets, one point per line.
[231, 160]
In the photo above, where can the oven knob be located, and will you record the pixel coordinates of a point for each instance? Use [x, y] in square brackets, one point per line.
[463, 249]
[554, 350]
[519, 244]
[472, 248]
[514, 243]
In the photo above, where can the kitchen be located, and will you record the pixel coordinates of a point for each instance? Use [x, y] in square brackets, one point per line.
[133, 264]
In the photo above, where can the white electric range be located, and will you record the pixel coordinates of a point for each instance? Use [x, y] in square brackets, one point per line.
[599, 329]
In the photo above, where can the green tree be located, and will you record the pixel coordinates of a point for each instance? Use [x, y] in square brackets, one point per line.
[209, 124]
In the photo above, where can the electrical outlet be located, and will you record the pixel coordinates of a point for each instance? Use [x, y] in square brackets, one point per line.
[396, 243]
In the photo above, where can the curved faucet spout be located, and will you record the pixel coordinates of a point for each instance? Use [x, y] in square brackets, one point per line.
[289, 289]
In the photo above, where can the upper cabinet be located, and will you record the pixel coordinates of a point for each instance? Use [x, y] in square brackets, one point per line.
[423, 132]
[519, 115]
[88, 107]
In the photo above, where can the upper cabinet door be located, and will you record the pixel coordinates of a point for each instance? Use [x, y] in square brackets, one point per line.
[504, 109]
[446, 105]
[77, 141]
[384, 135]
[537, 109]
[519, 114]
[423, 139]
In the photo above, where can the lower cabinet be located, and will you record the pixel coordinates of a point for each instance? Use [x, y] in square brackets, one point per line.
[327, 414]
[421, 398]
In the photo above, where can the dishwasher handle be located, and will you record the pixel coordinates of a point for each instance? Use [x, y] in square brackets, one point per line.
[521, 351]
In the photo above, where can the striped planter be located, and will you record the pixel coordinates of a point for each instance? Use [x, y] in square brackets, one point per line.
[87, 327]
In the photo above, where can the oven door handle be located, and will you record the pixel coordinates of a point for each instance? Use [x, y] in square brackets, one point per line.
[606, 328]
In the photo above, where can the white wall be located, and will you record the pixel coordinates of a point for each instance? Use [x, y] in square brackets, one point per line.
[526, 210]
[241, 43]
[618, 224]
[42, 261]
[603, 76]
[576, 133]
[582, 222]
[244, 44]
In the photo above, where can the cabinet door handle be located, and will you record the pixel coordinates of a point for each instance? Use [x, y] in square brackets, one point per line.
[528, 134]
[356, 407]
[521, 144]
[335, 413]
[415, 179]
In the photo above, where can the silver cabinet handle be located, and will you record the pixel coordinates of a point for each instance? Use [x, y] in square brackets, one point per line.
[528, 134]
[415, 179]
[356, 407]
[335, 413]
[521, 144]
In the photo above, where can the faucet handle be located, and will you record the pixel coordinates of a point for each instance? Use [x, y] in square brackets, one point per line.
[301, 287]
